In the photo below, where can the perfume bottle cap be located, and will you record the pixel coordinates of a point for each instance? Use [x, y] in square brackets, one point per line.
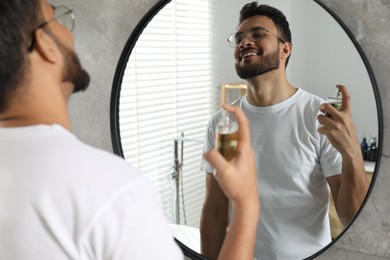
[226, 123]
[338, 94]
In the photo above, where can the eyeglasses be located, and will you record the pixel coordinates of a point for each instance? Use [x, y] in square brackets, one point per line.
[63, 15]
[255, 34]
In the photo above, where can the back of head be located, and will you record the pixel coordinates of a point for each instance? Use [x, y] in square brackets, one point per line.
[18, 19]
[279, 19]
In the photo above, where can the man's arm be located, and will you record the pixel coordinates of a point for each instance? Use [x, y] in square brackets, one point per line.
[214, 219]
[238, 180]
[350, 188]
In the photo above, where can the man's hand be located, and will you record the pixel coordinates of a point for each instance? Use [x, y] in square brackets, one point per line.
[339, 127]
[237, 177]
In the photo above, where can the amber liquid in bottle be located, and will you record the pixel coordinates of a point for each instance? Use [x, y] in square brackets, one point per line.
[226, 135]
[227, 144]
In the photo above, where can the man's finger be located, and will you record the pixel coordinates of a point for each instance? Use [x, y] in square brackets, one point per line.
[346, 97]
[216, 160]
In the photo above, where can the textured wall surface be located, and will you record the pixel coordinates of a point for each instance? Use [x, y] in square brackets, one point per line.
[102, 29]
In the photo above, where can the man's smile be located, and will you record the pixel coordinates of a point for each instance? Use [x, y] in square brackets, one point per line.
[245, 53]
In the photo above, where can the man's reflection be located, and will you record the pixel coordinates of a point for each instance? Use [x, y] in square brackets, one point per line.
[300, 152]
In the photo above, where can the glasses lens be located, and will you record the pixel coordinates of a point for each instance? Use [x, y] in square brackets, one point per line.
[257, 34]
[65, 17]
[235, 39]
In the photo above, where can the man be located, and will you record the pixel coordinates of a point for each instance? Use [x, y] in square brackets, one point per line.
[62, 199]
[300, 153]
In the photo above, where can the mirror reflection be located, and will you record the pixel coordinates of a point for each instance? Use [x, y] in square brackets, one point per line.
[171, 88]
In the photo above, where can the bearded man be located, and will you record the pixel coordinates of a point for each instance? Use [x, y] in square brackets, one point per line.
[302, 156]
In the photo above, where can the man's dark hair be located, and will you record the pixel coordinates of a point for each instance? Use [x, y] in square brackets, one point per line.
[18, 19]
[279, 19]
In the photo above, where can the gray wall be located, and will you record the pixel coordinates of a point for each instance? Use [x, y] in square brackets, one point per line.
[102, 29]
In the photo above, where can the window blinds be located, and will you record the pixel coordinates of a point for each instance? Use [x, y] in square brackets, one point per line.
[166, 90]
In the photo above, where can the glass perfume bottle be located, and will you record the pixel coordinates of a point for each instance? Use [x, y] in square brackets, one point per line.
[226, 135]
[335, 101]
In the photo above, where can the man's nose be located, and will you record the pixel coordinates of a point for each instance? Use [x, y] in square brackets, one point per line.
[246, 41]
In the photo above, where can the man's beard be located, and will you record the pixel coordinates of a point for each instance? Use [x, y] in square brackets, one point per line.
[73, 71]
[268, 63]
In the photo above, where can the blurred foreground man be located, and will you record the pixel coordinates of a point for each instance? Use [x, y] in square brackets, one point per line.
[62, 199]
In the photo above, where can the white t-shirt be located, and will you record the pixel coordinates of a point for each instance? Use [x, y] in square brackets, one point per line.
[62, 199]
[293, 161]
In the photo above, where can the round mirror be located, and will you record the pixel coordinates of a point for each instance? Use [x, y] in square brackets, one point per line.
[168, 85]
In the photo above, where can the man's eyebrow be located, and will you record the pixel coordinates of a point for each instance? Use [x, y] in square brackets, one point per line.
[258, 28]
[255, 28]
[52, 6]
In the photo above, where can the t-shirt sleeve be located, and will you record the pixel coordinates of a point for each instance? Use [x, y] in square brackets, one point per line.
[208, 145]
[131, 226]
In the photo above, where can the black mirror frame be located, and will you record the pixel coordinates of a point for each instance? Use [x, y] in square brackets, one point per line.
[116, 89]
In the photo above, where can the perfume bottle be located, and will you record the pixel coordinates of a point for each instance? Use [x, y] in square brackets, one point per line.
[226, 135]
[335, 101]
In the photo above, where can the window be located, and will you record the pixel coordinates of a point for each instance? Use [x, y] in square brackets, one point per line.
[166, 91]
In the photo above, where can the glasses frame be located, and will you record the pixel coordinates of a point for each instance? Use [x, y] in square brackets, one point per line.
[66, 12]
[249, 37]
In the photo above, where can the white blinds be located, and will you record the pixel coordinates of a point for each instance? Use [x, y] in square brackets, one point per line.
[167, 90]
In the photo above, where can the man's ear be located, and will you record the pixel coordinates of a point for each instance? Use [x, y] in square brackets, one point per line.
[286, 51]
[46, 47]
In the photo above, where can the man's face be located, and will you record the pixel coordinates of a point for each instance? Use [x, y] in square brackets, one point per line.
[72, 71]
[257, 58]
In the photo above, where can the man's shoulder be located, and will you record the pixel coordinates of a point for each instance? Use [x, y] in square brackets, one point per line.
[310, 97]
[79, 161]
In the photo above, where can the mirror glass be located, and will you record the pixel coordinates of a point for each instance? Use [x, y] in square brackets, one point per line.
[168, 82]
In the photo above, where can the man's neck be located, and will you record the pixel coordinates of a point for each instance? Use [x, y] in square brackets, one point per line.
[49, 108]
[20, 120]
[269, 89]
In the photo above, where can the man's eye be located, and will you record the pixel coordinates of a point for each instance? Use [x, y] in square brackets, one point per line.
[257, 35]
[238, 38]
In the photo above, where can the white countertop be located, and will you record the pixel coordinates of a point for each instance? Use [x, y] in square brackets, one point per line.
[369, 166]
[189, 236]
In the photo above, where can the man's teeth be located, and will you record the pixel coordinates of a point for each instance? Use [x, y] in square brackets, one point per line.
[249, 54]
